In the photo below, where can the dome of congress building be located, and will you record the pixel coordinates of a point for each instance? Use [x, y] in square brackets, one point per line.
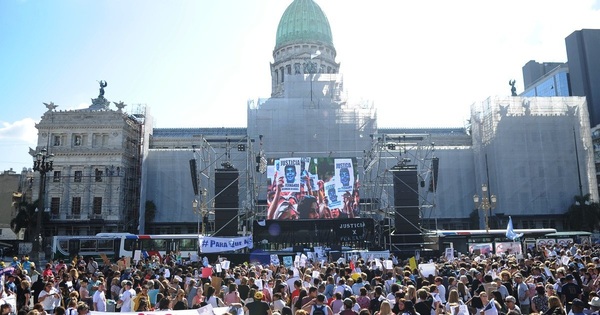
[303, 21]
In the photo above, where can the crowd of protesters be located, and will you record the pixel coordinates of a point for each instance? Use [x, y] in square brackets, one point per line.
[552, 281]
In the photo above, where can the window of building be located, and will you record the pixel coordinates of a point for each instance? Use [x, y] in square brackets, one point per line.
[76, 206]
[56, 177]
[56, 140]
[98, 175]
[77, 177]
[54, 206]
[77, 140]
[97, 207]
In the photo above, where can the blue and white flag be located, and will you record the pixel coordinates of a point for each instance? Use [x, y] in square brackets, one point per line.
[490, 305]
[510, 232]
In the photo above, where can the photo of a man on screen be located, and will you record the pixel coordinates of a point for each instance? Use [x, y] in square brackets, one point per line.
[345, 177]
[290, 174]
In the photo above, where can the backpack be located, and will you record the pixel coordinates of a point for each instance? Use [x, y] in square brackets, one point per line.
[347, 293]
[318, 310]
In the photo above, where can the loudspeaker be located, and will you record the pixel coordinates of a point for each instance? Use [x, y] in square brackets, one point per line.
[406, 200]
[435, 163]
[194, 173]
[226, 202]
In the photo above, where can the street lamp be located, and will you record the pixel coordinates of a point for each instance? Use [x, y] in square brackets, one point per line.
[42, 163]
[485, 203]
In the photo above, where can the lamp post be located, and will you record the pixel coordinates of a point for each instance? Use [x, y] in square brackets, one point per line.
[42, 163]
[485, 203]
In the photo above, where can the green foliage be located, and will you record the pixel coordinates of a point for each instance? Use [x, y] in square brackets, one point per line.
[583, 215]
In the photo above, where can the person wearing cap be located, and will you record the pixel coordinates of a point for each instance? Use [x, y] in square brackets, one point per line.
[126, 299]
[570, 291]
[15, 263]
[522, 294]
[258, 306]
[348, 307]
[577, 307]
[501, 288]
[26, 264]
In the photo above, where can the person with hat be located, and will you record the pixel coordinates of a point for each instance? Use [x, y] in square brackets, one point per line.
[570, 292]
[258, 306]
[522, 294]
[15, 263]
[595, 305]
[126, 300]
[577, 307]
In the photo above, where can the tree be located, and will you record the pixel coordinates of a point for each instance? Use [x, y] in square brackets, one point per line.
[150, 212]
[584, 214]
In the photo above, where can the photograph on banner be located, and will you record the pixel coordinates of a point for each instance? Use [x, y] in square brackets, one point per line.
[508, 248]
[344, 175]
[312, 188]
[480, 249]
[291, 174]
[548, 242]
[562, 242]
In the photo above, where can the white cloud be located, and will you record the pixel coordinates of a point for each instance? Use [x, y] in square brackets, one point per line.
[21, 130]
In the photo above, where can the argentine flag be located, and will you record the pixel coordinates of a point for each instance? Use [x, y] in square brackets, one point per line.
[510, 232]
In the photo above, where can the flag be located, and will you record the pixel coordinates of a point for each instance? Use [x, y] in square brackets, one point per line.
[510, 232]
[490, 305]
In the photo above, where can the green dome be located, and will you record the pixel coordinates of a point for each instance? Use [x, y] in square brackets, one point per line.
[303, 21]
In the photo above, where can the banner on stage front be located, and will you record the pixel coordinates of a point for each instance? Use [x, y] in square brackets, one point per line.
[210, 244]
[206, 310]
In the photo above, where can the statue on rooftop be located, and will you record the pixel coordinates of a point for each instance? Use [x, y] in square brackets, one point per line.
[50, 106]
[513, 89]
[103, 84]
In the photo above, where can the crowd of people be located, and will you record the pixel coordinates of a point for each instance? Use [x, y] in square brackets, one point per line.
[553, 281]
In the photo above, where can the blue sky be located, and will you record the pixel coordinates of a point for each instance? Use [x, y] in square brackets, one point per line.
[196, 63]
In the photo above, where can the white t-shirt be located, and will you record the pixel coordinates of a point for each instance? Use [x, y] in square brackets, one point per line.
[51, 301]
[99, 301]
[127, 297]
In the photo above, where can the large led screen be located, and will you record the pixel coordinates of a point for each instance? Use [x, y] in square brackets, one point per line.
[312, 188]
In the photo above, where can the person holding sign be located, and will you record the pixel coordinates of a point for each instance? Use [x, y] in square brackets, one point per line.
[282, 208]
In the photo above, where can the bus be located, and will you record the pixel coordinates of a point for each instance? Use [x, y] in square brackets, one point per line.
[481, 241]
[116, 245]
[564, 238]
[113, 245]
